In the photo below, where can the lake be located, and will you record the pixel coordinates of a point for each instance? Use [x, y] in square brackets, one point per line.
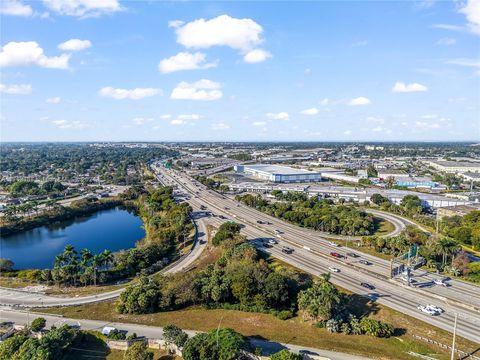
[112, 229]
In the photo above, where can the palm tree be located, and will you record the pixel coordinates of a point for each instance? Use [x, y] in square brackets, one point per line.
[96, 261]
[107, 257]
[446, 247]
[85, 255]
[69, 252]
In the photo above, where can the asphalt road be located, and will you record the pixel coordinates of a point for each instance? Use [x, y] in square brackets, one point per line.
[154, 332]
[312, 254]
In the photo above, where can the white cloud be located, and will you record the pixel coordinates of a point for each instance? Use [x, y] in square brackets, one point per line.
[426, 125]
[375, 120]
[178, 122]
[256, 56]
[30, 53]
[220, 126]
[401, 87]
[15, 8]
[184, 61]
[471, 10]
[13, 89]
[67, 124]
[449, 27]
[175, 23]
[83, 8]
[139, 121]
[446, 41]
[347, 132]
[53, 100]
[278, 116]
[243, 35]
[133, 94]
[239, 34]
[311, 111]
[165, 116]
[359, 101]
[75, 45]
[190, 116]
[429, 116]
[206, 90]
[259, 123]
[475, 63]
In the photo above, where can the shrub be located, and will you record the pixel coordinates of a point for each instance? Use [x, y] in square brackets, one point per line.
[285, 355]
[38, 324]
[333, 326]
[376, 328]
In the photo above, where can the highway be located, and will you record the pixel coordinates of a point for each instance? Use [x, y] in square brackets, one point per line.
[311, 254]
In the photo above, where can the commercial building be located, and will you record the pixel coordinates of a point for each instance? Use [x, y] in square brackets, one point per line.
[455, 166]
[278, 174]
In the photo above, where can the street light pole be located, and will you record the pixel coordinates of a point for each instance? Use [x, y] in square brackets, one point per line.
[454, 335]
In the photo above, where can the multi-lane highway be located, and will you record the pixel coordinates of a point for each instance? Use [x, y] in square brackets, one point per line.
[312, 254]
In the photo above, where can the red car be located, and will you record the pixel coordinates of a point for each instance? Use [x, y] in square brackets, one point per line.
[337, 255]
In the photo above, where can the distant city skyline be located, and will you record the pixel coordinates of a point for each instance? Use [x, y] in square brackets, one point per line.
[240, 71]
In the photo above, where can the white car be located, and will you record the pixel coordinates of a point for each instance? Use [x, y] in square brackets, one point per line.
[333, 269]
[427, 310]
[435, 308]
[272, 241]
[334, 244]
[440, 282]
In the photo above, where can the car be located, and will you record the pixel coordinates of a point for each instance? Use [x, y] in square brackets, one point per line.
[337, 255]
[259, 222]
[266, 244]
[272, 241]
[427, 310]
[440, 282]
[367, 285]
[333, 244]
[333, 269]
[278, 232]
[351, 254]
[435, 308]
[287, 250]
[365, 262]
[221, 217]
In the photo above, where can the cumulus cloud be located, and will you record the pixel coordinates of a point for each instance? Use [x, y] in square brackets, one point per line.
[53, 100]
[30, 53]
[165, 116]
[15, 8]
[190, 116]
[256, 56]
[311, 111]
[259, 123]
[83, 8]
[278, 116]
[184, 61]
[133, 94]
[220, 126]
[205, 90]
[75, 45]
[67, 124]
[178, 122]
[347, 132]
[359, 101]
[401, 87]
[471, 10]
[139, 121]
[375, 120]
[243, 35]
[13, 89]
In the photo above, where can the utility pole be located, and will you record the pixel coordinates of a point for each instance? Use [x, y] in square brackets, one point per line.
[454, 335]
[436, 223]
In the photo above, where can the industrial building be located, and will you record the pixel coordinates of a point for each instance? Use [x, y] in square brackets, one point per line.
[455, 166]
[278, 174]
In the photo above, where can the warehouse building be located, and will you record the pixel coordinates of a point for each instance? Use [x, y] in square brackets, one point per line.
[278, 174]
[455, 166]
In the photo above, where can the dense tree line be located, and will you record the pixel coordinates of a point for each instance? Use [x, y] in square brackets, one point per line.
[314, 213]
[465, 229]
[51, 346]
[27, 187]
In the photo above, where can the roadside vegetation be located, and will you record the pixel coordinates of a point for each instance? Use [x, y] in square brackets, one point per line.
[313, 213]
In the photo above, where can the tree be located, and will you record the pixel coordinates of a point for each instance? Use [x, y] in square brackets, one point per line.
[141, 298]
[378, 199]
[321, 301]
[371, 171]
[446, 247]
[376, 328]
[10, 346]
[285, 355]
[173, 334]
[221, 344]
[390, 182]
[138, 351]
[38, 324]
[6, 264]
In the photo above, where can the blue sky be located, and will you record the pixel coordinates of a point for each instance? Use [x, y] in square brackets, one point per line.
[113, 70]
